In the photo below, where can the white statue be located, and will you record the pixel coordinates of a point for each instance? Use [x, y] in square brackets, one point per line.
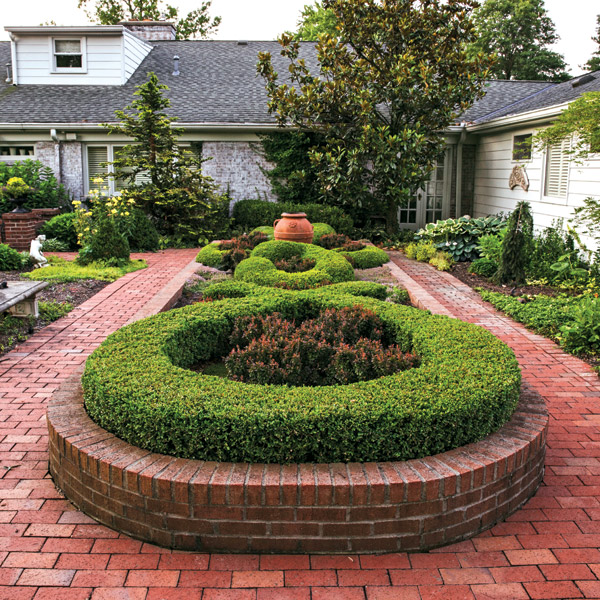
[35, 251]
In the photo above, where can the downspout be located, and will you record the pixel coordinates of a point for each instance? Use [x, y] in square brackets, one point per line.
[57, 160]
[459, 164]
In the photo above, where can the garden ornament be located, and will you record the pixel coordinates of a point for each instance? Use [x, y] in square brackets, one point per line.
[35, 251]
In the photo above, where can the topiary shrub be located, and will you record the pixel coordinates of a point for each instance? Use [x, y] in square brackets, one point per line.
[329, 267]
[138, 386]
[228, 254]
[10, 259]
[61, 228]
[367, 258]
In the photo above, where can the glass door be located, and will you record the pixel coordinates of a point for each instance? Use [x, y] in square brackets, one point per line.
[430, 202]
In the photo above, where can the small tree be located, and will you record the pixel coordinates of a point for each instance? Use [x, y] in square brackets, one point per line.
[581, 122]
[196, 23]
[392, 79]
[593, 64]
[315, 20]
[516, 246]
[518, 34]
[171, 187]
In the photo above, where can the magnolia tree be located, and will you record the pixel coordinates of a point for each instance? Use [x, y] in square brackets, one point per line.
[394, 76]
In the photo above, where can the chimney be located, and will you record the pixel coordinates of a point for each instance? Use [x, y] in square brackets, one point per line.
[151, 30]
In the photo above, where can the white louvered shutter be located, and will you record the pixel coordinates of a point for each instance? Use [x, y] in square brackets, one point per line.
[557, 169]
[96, 155]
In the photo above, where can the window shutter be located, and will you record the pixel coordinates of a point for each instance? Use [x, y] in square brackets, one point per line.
[97, 155]
[143, 178]
[557, 169]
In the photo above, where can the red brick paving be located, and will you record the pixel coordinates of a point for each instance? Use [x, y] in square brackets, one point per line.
[50, 551]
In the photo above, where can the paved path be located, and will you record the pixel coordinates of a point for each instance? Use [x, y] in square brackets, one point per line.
[548, 549]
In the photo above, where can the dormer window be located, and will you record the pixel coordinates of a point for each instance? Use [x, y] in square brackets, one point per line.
[68, 55]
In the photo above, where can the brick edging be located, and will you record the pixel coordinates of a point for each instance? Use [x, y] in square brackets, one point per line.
[317, 508]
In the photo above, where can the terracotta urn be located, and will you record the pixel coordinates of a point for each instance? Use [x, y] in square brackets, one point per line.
[293, 227]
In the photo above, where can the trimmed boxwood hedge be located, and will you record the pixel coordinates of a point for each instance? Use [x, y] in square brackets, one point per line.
[330, 267]
[367, 258]
[138, 385]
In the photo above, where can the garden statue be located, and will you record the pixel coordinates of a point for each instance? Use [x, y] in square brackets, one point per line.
[35, 251]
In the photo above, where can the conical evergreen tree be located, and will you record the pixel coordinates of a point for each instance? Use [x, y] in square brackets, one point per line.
[594, 63]
[516, 246]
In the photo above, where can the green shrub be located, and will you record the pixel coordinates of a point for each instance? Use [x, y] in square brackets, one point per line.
[10, 259]
[490, 246]
[367, 258]
[62, 228]
[143, 236]
[52, 311]
[210, 255]
[398, 295]
[54, 245]
[228, 254]
[266, 230]
[319, 230]
[485, 267]
[411, 251]
[329, 267]
[249, 214]
[48, 192]
[442, 261]
[460, 237]
[425, 251]
[106, 244]
[582, 333]
[137, 385]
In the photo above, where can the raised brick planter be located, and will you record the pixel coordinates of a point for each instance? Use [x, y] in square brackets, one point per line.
[21, 228]
[323, 508]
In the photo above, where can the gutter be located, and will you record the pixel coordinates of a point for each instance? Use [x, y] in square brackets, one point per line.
[531, 117]
[178, 124]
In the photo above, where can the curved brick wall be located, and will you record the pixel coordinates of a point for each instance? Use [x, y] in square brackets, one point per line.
[323, 508]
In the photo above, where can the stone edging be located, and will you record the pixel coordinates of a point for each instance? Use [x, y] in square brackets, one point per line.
[316, 508]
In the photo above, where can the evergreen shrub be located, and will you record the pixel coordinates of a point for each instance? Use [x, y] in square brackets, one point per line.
[61, 228]
[138, 386]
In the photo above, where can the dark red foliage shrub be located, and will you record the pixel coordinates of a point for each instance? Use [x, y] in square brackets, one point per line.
[295, 264]
[337, 347]
[332, 240]
[237, 249]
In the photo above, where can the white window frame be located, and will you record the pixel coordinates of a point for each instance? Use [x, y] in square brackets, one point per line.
[109, 181]
[83, 47]
[552, 199]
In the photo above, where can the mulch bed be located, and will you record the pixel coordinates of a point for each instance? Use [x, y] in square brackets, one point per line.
[17, 330]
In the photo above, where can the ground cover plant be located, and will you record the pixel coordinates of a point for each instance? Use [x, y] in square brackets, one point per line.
[61, 270]
[427, 252]
[466, 386]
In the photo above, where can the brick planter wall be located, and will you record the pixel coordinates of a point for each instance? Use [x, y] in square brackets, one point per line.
[316, 508]
[21, 228]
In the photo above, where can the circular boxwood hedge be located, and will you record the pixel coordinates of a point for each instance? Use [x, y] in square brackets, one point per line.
[330, 266]
[138, 385]
[367, 258]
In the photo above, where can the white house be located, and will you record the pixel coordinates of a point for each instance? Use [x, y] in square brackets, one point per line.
[62, 83]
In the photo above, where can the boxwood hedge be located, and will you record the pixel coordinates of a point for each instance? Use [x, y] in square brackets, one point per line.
[138, 385]
[319, 230]
[330, 267]
[367, 258]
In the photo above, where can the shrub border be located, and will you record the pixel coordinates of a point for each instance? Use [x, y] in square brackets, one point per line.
[319, 508]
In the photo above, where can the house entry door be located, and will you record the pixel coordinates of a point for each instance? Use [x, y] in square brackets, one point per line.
[430, 202]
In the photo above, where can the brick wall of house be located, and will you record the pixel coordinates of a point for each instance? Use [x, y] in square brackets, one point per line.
[237, 165]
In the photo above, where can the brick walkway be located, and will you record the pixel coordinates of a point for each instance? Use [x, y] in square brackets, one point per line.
[548, 549]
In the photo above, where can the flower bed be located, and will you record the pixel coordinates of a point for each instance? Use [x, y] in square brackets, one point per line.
[138, 386]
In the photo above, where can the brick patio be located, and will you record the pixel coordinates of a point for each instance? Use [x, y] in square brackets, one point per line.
[48, 549]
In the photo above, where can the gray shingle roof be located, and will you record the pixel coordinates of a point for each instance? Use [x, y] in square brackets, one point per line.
[218, 84]
[556, 94]
[500, 94]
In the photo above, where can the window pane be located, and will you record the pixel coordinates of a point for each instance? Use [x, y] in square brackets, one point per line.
[522, 147]
[68, 61]
[97, 155]
[67, 46]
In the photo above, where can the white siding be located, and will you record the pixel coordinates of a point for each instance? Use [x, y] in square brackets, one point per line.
[494, 164]
[111, 60]
[135, 50]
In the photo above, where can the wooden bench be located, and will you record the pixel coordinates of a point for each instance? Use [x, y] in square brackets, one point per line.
[20, 297]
